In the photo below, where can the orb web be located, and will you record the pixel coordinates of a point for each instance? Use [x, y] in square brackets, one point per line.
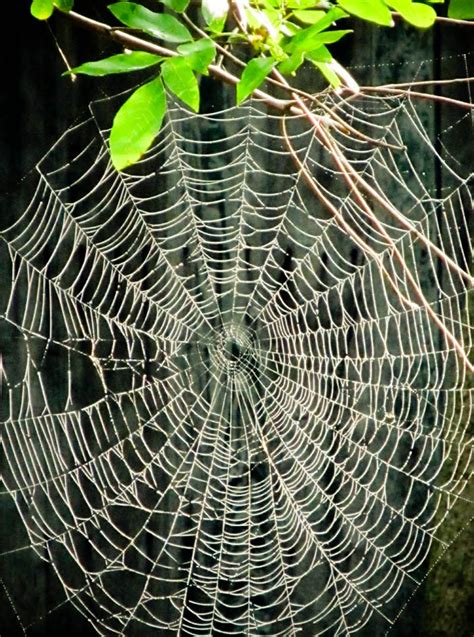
[221, 417]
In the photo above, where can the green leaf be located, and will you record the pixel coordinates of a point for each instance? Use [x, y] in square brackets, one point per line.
[254, 74]
[289, 28]
[121, 63]
[292, 63]
[180, 79]
[159, 25]
[176, 5]
[308, 16]
[64, 5]
[328, 73]
[270, 4]
[420, 15]
[331, 16]
[199, 54]
[137, 123]
[214, 13]
[42, 9]
[329, 37]
[461, 9]
[370, 10]
[301, 4]
[217, 26]
[321, 54]
[311, 41]
[306, 39]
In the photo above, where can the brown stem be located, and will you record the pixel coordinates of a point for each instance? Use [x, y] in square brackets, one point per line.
[297, 106]
[128, 40]
[342, 223]
[421, 96]
[345, 127]
[392, 210]
[442, 20]
[454, 80]
[348, 173]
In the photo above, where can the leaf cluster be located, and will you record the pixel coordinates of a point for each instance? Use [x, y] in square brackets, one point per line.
[266, 35]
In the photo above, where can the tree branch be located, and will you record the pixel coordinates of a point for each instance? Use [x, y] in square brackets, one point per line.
[128, 40]
[442, 20]
[422, 96]
[355, 182]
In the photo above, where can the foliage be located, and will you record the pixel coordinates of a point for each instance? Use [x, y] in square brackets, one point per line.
[137, 123]
[268, 37]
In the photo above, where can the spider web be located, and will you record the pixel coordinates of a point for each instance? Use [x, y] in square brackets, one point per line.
[220, 417]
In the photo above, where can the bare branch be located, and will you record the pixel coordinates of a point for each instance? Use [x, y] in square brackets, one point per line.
[442, 20]
[455, 80]
[422, 96]
[354, 180]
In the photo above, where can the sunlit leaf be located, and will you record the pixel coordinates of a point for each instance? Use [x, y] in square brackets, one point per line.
[306, 39]
[199, 54]
[331, 16]
[312, 41]
[292, 63]
[160, 25]
[276, 51]
[308, 16]
[270, 4]
[420, 15]
[321, 54]
[214, 13]
[121, 63]
[329, 37]
[289, 28]
[216, 27]
[176, 5]
[42, 9]
[180, 79]
[329, 74]
[64, 5]
[254, 74]
[370, 10]
[137, 123]
[461, 9]
[301, 4]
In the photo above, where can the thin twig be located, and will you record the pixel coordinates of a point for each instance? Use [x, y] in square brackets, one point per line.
[422, 96]
[349, 174]
[456, 80]
[408, 225]
[342, 223]
[354, 179]
[132, 41]
[297, 106]
[222, 49]
[334, 119]
[442, 20]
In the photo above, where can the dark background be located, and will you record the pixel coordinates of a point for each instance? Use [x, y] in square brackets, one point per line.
[37, 104]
